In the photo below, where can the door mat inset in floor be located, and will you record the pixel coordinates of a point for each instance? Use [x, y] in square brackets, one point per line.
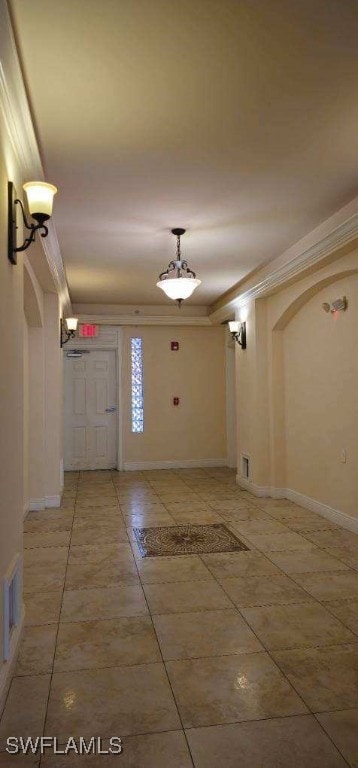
[187, 540]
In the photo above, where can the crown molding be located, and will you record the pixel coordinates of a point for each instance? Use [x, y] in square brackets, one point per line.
[291, 268]
[145, 320]
[17, 120]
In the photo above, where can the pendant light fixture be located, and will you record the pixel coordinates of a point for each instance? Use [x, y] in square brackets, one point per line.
[178, 281]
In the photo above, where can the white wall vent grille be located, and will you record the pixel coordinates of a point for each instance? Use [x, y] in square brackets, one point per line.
[12, 596]
[245, 466]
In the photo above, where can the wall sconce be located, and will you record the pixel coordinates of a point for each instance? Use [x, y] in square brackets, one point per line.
[68, 329]
[338, 305]
[40, 200]
[238, 332]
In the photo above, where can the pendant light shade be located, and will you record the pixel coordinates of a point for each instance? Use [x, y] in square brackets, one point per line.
[178, 281]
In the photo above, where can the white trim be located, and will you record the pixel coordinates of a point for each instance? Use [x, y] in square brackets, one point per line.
[293, 262]
[8, 667]
[52, 501]
[145, 320]
[335, 515]
[260, 490]
[16, 113]
[62, 476]
[129, 466]
[36, 505]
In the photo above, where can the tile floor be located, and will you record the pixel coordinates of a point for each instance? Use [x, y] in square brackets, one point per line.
[235, 659]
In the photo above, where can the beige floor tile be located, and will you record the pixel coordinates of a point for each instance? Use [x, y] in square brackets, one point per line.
[48, 526]
[25, 710]
[341, 538]
[306, 562]
[263, 590]
[339, 584]
[326, 678]
[350, 558]
[142, 507]
[37, 650]
[211, 633]
[42, 608]
[95, 489]
[59, 539]
[196, 517]
[185, 597]
[43, 578]
[296, 626]
[342, 727]
[46, 557]
[101, 574]
[281, 542]
[105, 603]
[106, 643]
[231, 688]
[288, 513]
[103, 533]
[243, 514]
[230, 564]
[123, 700]
[157, 750]
[183, 506]
[48, 515]
[290, 742]
[19, 761]
[158, 570]
[149, 520]
[253, 527]
[93, 553]
[346, 611]
[302, 525]
[102, 504]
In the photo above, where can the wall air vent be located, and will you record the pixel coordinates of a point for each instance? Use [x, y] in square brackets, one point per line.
[12, 611]
[245, 466]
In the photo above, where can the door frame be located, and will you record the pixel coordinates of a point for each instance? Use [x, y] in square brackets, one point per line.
[109, 338]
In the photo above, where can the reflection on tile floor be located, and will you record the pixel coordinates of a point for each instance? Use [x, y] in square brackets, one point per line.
[187, 539]
[192, 659]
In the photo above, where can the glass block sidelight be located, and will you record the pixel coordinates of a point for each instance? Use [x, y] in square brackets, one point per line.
[137, 384]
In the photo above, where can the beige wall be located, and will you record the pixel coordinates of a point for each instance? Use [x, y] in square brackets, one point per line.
[11, 398]
[297, 389]
[196, 429]
[321, 409]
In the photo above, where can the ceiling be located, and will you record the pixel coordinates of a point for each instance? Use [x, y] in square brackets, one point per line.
[237, 120]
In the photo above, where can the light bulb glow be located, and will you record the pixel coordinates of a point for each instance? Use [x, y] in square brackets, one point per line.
[71, 323]
[40, 197]
[234, 326]
[179, 287]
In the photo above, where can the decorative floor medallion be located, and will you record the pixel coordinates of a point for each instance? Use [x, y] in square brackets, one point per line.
[186, 540]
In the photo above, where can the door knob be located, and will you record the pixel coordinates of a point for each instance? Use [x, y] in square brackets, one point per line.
[111, 409]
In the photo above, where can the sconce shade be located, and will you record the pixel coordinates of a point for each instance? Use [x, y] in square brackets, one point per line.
[40, 199]
[178, 288]
[234, 326]
[71, 323]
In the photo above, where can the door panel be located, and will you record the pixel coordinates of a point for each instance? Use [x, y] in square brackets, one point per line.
[90, 390]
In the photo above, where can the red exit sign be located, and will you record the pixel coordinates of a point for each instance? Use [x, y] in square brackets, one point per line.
[88, 330]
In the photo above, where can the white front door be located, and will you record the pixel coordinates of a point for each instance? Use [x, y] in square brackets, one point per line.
[90, 399]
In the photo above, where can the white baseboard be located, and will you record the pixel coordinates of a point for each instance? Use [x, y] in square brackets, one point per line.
[129, 466]
[335, 515]
[261, 490]
[53, 501]
[7, 669]
[330, 513]
[35, 505]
